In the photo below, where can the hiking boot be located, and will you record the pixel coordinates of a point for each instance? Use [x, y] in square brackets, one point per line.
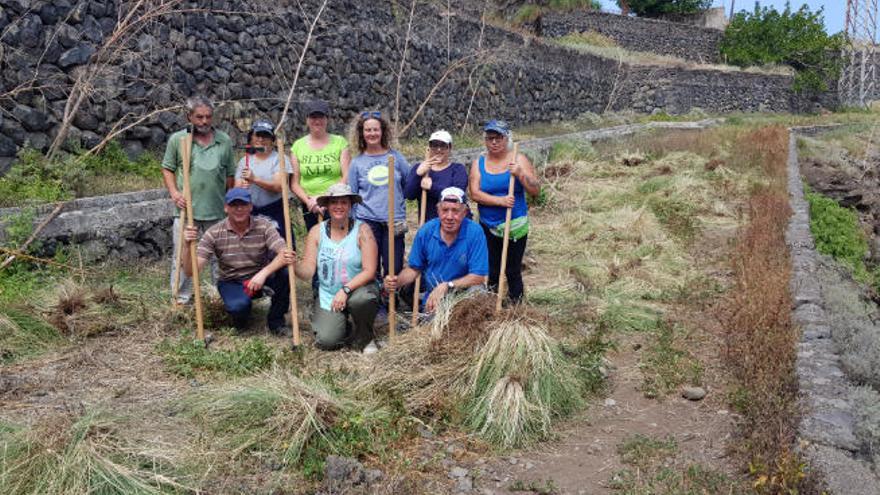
[370, 348]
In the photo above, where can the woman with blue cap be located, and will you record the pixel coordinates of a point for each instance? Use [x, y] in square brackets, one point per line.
[489, 181]
[257, 171]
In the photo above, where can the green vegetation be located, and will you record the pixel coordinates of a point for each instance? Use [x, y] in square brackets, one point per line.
[837, 233]
[654, 8]
[186, 357]
[35, 179]
[543, 487]
[794, 38]
[666, 364]
[23, 336]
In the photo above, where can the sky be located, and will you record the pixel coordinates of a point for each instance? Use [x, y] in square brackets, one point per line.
[835, 10]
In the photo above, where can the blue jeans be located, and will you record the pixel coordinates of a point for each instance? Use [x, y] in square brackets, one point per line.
[238, 304]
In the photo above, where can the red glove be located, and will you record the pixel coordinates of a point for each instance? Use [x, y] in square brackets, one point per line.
[247, 288]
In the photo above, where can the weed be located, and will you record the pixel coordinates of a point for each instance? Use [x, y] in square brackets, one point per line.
[665, 365]
[629, 317]
[187, 357]
[642, 451]
[588, 355]
[571, 151]
[837, 233]
[679, 217]
[542, 487]
[692, 480]
[23, 335]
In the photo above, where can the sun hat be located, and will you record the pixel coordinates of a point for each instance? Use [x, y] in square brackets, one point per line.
[499, 126]
[442, 136]
[337, 191]
[263, 126]
[238, 194]
[453, 195]
[317, 106]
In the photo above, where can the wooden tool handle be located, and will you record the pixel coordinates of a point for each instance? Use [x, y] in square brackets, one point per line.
[288, 235]
[423, 207]
[392, 303]
[502, 274]
[190, 222]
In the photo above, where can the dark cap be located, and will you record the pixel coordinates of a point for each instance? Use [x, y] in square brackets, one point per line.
[264, 127]
[317, 106]
[238, 194]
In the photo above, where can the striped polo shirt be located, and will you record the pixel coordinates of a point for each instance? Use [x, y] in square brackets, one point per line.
[241, 257]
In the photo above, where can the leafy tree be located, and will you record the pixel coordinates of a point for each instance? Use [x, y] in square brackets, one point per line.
[654, 8]
[794, 38]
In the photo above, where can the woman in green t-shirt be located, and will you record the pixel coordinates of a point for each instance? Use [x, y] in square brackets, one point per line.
[319, 160]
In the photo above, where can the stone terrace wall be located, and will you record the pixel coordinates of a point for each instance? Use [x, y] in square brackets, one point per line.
[642, 35]
[244, 54]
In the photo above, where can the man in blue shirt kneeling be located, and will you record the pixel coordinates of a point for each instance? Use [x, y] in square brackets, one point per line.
[449, 250]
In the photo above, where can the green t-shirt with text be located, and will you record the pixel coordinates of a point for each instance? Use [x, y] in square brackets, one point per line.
[319, 169]
[209, 167]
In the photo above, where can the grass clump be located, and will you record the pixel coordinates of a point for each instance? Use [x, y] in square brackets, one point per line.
[23, 335]
[187, 357]
[520, 381]
[82, 456]
[297, 422]
[837, 233]
[571, 150]
[666, 365]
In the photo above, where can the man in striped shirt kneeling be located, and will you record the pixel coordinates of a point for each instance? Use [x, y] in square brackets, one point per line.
[244, 247]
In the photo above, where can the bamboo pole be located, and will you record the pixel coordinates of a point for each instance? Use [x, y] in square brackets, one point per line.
[285, 198]
[190, 220]
[415, 304]
[392, 304]
[502, 275]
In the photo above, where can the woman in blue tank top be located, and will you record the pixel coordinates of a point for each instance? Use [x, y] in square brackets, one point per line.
[489, 181]
[343, 252]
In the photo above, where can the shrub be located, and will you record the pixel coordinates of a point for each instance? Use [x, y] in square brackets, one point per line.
[798, 39]
[837, 233]
[654, 8]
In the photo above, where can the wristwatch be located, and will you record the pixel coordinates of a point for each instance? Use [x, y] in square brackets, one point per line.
[450, 285]
[347, 290]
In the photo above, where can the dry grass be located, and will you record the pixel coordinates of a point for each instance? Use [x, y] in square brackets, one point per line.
[757, 319]
[80, 311]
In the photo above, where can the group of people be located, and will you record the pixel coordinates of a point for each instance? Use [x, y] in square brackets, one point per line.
[345, 204]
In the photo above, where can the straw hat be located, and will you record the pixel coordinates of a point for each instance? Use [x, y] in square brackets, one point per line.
[337, 191]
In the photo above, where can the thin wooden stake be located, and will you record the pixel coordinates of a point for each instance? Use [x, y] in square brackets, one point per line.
[502, 275]
[392, 304]
[285, 198]
[415, 305]
[190, 220]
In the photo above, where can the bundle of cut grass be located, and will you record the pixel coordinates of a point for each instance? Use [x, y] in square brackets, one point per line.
[81, 457]
[275, 412]
[423, 366]
[22, 335]
[520, 381]
[77, 311]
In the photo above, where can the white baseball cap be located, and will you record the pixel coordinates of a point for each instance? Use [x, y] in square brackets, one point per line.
[453, 195]
[442, 136]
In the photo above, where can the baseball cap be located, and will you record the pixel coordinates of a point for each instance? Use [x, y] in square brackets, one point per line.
[238, 194]
[499, 126]
[317, 106]
[453, 195]
[442, 136]
[263, 126]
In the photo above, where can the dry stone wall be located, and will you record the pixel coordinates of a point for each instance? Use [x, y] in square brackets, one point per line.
[244, 54]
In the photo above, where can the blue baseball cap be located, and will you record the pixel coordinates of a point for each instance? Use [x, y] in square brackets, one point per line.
[499, 126]
[263, 127]
[238, 194]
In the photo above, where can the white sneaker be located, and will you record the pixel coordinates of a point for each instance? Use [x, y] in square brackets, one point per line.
[371, 348]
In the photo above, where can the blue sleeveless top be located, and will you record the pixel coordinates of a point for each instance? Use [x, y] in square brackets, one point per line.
[338, 262]
[496, 185]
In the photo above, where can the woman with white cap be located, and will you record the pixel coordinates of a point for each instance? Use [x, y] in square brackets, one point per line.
[489, 182]
[343, 253]
[320, 159]
[257, 171]
[435, 174]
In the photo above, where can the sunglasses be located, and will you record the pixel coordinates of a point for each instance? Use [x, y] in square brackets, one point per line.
[437, 145]
[371, 115]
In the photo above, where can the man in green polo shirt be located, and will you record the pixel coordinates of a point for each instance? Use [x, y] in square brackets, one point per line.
[212, 172]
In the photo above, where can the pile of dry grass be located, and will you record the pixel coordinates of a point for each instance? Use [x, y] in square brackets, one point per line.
[85, 455]
[80, 311]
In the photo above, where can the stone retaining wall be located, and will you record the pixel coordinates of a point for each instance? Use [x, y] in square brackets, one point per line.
[642, 35]
[138, 225]
[244, 54]
[828, 423]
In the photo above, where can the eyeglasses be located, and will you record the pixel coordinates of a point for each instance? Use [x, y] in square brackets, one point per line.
[492, 138]
[437, 145]
[371, 115]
